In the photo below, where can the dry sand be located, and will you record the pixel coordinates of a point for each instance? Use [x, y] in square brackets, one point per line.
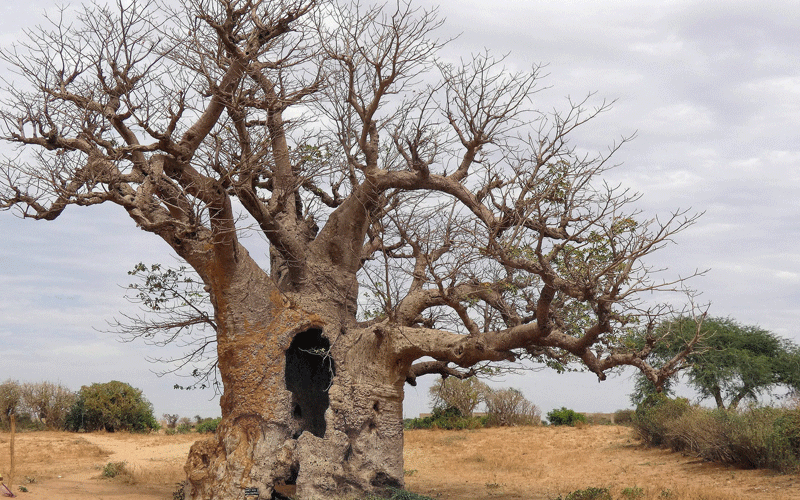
[508, 463]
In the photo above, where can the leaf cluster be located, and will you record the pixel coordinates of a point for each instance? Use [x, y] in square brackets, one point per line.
[111, 406]
[731, 362]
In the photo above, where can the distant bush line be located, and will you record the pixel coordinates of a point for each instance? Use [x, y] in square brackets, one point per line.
[756, 437]
[111, 406]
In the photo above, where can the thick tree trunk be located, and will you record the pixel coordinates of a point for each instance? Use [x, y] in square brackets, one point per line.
[311, 403]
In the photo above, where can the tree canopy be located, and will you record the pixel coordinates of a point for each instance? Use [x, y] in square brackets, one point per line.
[111, 406]
[732, 362]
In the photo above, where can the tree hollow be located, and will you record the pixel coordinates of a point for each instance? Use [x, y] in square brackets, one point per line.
[309, 372]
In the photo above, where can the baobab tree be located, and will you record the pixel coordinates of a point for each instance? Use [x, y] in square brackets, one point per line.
[422, 217]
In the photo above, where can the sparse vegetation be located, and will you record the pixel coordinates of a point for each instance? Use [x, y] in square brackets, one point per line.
[398, 494]
[37, 406]
[757, 437]
[632, 493]
[446, 465]
[623, 417]
[465, 395]
[171, 420]
[113, 469]
[588, 494]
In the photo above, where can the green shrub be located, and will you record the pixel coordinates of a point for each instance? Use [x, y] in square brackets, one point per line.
[448, 419]
[113, 469]
[398, 494]
[208, 425]
[632, 493]
[184, 428]
[564, 416]
[113, 406]
[655, 414]
[756, 437]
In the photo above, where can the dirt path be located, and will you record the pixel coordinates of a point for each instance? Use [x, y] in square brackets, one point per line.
[63, 466]
[521, 463]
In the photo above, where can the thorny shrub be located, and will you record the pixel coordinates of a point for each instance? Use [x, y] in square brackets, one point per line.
[756, 437]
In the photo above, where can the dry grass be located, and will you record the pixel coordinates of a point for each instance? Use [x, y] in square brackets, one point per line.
[530, 463]
[544, 462]
[71, 466]
[45, 455]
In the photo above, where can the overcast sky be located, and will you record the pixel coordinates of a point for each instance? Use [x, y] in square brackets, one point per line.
[712, 90]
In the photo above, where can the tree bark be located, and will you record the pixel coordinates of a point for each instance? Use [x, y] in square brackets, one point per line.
[310, 399]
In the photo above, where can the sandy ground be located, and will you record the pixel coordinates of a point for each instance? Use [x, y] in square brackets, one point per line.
[507, 463]
[545, 462]
[65, 466]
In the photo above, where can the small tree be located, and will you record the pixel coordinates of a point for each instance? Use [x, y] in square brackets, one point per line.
[10, 400]
[171, 419]
[113, 406]
[510, 407]
[48, 402]
[452, 392]
[731, 362]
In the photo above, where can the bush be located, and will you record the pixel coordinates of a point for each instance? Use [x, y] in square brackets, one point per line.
[49, 403]
[208, 425]
[10, 401]
[465, 394]
[623, 417]
[448, 419]
[113, 406]
[114, 469]
[510, 407]
[654, 415]
[565, 416]
[588, 494]
[171, 420]
[757, 437]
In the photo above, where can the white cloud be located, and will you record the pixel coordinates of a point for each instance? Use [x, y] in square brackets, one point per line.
[679, 120]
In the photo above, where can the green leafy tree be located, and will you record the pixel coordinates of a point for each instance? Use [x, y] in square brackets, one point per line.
[644, 387]
[731, 362]
[112, 406]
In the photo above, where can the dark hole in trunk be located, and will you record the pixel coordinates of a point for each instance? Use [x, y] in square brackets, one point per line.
[309, 371]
